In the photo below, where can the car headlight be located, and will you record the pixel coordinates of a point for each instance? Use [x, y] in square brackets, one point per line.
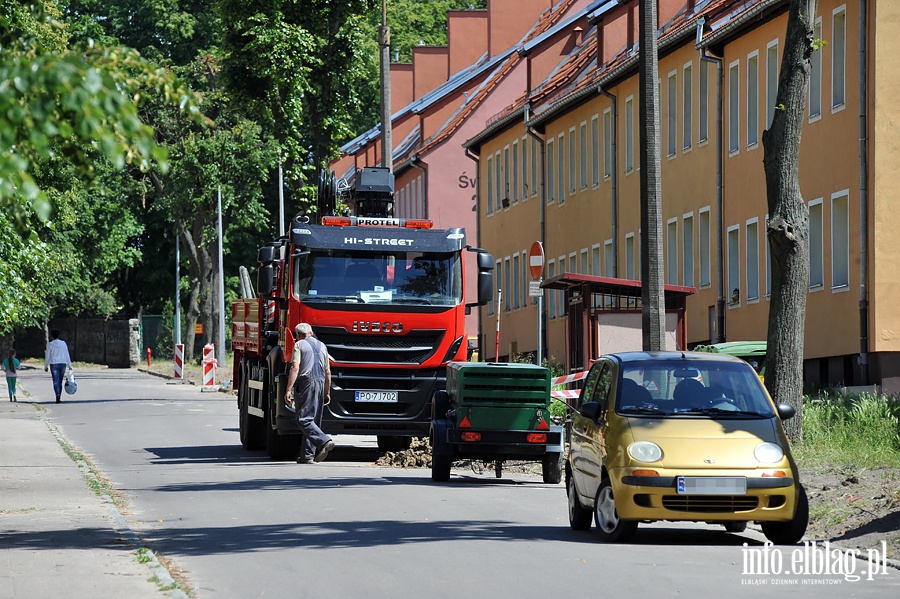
[645, 451]
[768, 453]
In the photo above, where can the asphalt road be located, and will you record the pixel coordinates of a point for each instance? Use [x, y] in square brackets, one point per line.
[235, 524]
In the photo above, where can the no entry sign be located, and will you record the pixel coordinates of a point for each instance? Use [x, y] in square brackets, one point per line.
[536, 260]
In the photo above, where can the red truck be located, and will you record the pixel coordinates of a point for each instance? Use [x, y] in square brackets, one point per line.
[385, 295]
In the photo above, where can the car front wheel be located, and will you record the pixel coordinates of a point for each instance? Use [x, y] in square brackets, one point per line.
[610, 527]
[790, 533]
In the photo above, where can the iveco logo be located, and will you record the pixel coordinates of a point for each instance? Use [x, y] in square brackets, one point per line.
[377, 327]
[709, 461]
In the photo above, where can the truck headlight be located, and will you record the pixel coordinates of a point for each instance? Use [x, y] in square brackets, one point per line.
[645, 451]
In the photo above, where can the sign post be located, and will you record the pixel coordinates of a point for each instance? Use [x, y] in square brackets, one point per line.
[536, 264]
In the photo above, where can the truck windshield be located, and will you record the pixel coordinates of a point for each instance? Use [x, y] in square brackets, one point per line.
[410, 278]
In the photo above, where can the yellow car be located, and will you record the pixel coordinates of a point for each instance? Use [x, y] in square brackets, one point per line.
[681, 436]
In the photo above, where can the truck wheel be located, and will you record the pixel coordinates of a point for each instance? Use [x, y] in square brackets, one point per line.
[551, 467]
[279, 447]
[391, 443]
[579, 517]
[440, 405]
[440, 468]
[251, 427]
[610, 527]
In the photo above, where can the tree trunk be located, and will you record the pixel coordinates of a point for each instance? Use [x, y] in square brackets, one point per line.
[652, 293]
[201, 270]
[788, 226]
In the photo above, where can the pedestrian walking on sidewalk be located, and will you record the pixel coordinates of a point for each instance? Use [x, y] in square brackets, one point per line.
[10, 367]
[56, 360]
[308, 390]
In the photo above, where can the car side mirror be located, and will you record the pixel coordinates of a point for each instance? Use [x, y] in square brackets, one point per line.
[785, 411]
[591, 410]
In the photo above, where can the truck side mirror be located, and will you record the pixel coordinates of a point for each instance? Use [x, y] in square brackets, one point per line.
[265, 279]
[485, 277]
[266, 254]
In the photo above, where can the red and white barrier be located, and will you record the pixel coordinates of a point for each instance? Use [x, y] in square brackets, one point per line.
[565, 394]
[179, 361]
[209, 365]
[569, 378]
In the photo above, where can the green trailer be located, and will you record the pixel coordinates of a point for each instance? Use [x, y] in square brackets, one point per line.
[753, 352]
[495, 412]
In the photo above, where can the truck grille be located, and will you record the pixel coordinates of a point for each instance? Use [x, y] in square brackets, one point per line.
[380, 348]
[722, 504]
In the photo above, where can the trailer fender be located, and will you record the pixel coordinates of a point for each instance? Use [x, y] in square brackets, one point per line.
[560, 448]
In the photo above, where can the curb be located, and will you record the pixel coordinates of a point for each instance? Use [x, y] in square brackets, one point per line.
[168, 585]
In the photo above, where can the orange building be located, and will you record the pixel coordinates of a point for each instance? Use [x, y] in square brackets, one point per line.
[560, 165]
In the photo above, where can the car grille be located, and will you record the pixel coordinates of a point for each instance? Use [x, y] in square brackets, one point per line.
[719, 504]
[380, 348]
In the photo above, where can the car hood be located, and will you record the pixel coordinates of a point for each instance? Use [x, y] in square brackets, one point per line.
[698, 443]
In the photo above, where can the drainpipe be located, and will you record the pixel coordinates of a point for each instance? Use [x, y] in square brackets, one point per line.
[542, 199]
[413, 163]
[720, 301]
[863, 201]
[477, 160]
[614, 180]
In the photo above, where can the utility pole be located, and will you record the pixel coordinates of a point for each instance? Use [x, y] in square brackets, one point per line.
[220, 342]
[384, 42]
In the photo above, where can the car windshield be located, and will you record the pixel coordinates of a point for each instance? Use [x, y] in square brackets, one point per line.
[409, 278]
[692, 388]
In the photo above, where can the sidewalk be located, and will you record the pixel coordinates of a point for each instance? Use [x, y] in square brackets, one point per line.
[58, 538]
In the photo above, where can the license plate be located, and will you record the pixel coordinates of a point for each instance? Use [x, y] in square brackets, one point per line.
[377, 396]
[712, 485]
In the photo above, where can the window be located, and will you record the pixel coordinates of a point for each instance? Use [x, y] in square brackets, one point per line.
[840, 240]
[629, 134]
[752, 259]
[608, 259]
[629, 256]
[515, 172]
[506, 177]
[815, 75]
[595, 260]
[551, 296]
[517, 283]
[534, 168]
[498, 273]
[572, 161]
[733, 293]
[768, 261]
[524, 168]
[506, 285]
[771, 81]
[490, 186]
[551, 173]
[583, 156]
[687, 239]
[703, 109]
[688, 107]
[838, 57]
[816, 260]
[595, 150]
[734, 104]
[671, 93]
[498, 182]
[752, 99]
[584, 267]
[672, 251]
[704, 228]
[561, 169]
[561, 299]
[607, 142]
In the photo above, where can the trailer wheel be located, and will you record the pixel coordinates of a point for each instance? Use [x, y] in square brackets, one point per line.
[440, 467]
[551, 467]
